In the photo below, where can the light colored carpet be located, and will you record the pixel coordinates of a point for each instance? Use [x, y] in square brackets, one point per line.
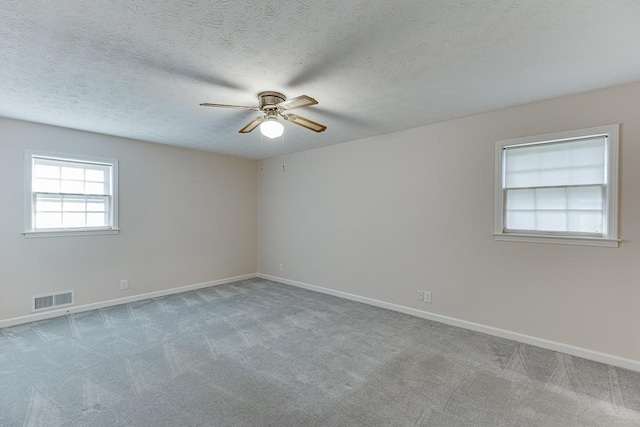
[258, 353]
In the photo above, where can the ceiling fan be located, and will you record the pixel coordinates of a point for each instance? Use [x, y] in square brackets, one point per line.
[273, 104]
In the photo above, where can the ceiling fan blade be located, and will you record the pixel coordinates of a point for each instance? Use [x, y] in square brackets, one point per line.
[305, 123]
[240, 107]
[297, 102]
[252, 125]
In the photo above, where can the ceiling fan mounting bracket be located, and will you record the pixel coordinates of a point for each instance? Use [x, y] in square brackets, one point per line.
[269, 100]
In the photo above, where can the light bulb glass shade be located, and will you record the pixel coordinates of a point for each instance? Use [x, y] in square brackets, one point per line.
[271, 128]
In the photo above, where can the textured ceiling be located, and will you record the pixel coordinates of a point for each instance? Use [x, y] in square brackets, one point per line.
[139, 68]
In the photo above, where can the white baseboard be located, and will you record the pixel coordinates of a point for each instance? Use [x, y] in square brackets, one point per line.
[86, 307]
[584, 353]
[608, 359]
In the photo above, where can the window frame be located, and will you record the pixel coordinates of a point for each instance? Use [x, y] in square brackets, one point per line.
[31, 232]
[608, 239]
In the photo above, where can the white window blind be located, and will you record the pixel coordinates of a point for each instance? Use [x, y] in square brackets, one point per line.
[70, 194]
[556, 186]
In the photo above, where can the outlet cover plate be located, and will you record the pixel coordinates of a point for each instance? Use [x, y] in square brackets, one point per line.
[427, 297]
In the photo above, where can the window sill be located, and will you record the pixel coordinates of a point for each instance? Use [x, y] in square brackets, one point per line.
[69, 233]
[557, 240]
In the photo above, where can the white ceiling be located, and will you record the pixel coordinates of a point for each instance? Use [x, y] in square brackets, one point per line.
[139, 68]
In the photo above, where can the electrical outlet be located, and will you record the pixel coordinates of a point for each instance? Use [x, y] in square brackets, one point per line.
[427, 297]
[124, 284]
[281, 267]
[420, 295]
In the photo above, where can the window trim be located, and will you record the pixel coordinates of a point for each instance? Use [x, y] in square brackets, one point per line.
[610, 239]
[30, 232]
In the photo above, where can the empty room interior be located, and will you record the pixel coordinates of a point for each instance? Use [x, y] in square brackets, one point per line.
[320, 213]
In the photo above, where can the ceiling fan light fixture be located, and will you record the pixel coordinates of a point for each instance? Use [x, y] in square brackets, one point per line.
[271, 128]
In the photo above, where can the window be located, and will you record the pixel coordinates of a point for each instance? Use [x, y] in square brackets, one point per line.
[558, 188]
[69, 195]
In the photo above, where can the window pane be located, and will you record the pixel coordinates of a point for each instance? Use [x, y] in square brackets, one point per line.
[53, 211]
[97, 220]
[76, 174]
[521, 179]
[96, 205]
[550, 177]
[48, 205]
[46, 185]
[551, 221]
[520, 220]
[94, 175]
[586, 221]
[520, 199]
[72, 187]
[574, 180]
[553, 157]
[552, 164]
[591, 198]
[587, 175]
[48, 202]
[572, 209]
[585, 154]
[517, 161]
[73, 205]
[551, 198]
[71, 194]
[95, 188]
[73, 220]
[46, 171]
[48, 220]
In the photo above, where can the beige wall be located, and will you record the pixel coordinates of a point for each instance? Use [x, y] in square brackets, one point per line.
[386, 216]
[381, 217]
[186, 217]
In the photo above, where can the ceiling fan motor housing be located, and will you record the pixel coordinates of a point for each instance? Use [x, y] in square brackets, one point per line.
[270, 100]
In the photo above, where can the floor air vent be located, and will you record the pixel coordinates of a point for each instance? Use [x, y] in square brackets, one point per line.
[53, 300]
